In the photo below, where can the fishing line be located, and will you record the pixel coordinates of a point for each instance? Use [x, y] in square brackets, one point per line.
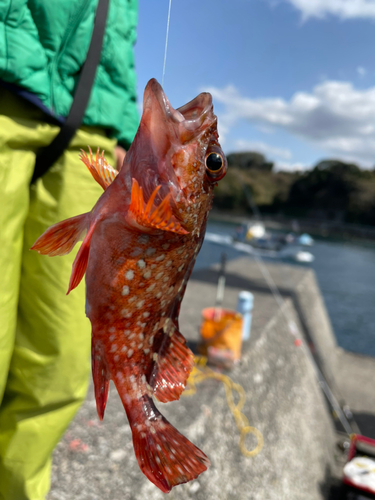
[166, 42]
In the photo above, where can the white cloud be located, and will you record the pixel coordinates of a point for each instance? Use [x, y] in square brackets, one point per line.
[290, 167]
[262, 147]
[361, 71]
[335, 116]
[344, 9]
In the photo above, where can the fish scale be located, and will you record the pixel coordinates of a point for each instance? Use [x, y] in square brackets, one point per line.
[142, 239]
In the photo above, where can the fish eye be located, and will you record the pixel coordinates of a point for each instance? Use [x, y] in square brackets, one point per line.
[216, 164]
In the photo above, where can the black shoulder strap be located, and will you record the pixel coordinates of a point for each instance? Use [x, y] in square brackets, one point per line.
[47, 156]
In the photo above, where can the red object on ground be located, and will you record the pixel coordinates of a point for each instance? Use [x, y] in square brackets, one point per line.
[298, 342]
[78, 445]
[368, 449]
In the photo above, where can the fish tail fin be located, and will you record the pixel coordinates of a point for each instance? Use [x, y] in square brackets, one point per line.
[166, 457]
[101, 377]
[60, 238]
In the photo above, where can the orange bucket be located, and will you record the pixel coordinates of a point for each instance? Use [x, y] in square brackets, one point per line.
[221, 331]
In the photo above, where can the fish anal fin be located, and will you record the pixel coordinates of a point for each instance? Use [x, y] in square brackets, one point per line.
[81, 260]
[150, 215]
[166, 457]
[99, 168]
[101, 377]
[172, 368]
[60, 238]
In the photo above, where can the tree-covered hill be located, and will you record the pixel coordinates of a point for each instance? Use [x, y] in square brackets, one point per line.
[332, 190]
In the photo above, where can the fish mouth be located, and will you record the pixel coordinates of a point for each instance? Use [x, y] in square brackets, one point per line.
[188, 121]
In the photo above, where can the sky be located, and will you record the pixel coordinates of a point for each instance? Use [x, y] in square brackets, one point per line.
[292, 79]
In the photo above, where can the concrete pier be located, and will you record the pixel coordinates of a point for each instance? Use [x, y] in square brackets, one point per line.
[283, 401]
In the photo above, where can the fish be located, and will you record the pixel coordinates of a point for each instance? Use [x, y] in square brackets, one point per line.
[141, 241]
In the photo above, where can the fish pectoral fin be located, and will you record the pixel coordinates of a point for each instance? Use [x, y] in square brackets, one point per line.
[172, 368]
[166, 457]
[81, 260]
[150, 215]
[99, 168]
[101, 377]
[60, 238]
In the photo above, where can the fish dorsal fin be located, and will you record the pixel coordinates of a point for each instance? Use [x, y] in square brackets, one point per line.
[172, 367]
[99, 168]
[151, 216]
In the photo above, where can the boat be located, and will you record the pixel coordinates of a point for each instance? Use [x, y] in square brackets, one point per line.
[253, 238]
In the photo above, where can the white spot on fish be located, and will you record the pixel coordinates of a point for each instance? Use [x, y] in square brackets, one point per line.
[112, 338]
[129, 275]
[125, 290]
[143, 238]
[140, 346]
[112, 329]
[151, 340]
[165, 279]
[140, 304]
[170, 290]
[141, 264]
[158, 295]
[155, 356]
[166, 245]
[141, 336]
[131, 336]
[124, 348]
[116, 357]
[137, 251]
[147, 275]
[150, 288]
[132, 379]
[181, 267]
[113, 348]
[159, 275]
[180, 250]
[150, 251]
[161, 257]
[126, 332]
[168, 263]
[146, 351]
[146, 314]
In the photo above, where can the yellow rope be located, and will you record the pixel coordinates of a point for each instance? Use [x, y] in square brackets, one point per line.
[198, 375]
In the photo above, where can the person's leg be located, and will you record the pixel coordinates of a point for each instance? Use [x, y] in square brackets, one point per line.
[48, 374]
[15, 171]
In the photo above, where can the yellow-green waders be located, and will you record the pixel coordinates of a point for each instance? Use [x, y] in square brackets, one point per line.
[44, 334]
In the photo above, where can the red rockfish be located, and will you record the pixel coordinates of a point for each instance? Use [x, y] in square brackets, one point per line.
[143, 236]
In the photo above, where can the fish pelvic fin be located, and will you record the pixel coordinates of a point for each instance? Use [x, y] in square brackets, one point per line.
[165, 456]
[172, 367]
[101, 377]
[60, 238]
[81, 260]
[99, 168]
[150, 215]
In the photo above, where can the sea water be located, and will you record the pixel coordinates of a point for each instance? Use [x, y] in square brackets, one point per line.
[345, 271]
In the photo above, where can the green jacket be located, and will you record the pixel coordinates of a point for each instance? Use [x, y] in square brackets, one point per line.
[43, 45]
